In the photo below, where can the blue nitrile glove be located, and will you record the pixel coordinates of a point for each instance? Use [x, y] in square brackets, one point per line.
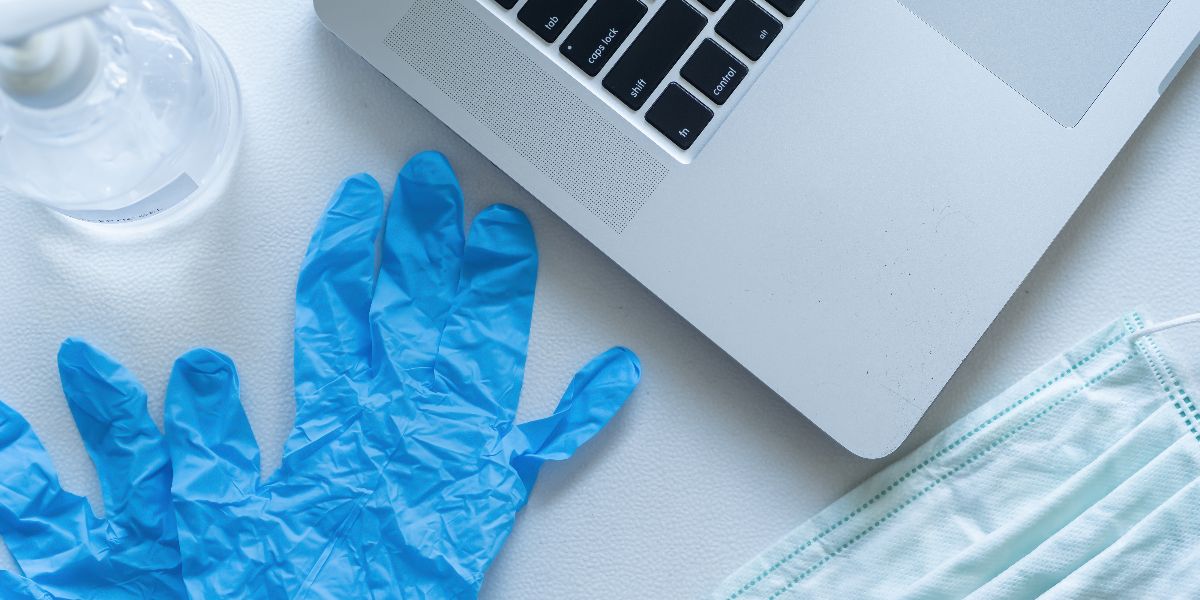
[15, 587]
[60, 545]
[404, 473]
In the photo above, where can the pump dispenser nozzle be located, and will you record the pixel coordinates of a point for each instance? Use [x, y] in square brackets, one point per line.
[112, 110]
[48, 54]
[20, 19]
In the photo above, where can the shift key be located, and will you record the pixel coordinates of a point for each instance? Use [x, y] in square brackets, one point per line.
[601, 32]
[652, 55]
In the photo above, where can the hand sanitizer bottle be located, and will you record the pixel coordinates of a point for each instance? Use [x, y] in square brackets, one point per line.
[112, 111]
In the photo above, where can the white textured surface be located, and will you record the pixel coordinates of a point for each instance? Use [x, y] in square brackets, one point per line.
[704, 468]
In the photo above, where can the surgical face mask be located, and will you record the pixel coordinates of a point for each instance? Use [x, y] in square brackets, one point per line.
[1080, 481]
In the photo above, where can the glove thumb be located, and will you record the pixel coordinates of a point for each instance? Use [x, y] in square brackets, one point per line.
[596, 393]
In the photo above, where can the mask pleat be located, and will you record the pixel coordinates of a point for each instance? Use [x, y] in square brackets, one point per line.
[1058, 485]
[1101, 526]
[1157, 558]
[1005, 442]
[1059, 506]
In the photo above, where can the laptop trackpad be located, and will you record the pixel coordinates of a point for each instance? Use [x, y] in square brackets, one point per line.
[1058, 54]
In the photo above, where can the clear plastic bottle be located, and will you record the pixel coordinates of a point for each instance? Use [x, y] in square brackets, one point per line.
[114, 112]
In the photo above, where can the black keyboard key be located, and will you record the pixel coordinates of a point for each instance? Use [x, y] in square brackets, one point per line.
[749, 28]
[713, 5]
[679, 116]
[548, 18]
[714, 71]
[507, 4]
[655, 51]
[787, 7]
[601, 31]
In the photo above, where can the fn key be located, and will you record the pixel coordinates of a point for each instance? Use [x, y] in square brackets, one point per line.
[679, 116]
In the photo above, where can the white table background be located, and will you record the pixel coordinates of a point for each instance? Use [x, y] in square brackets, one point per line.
[705, 466]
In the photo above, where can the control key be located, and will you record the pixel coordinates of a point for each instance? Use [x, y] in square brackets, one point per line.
[714, 71]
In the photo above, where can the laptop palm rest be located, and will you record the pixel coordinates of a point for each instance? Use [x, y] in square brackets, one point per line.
[1059, 55]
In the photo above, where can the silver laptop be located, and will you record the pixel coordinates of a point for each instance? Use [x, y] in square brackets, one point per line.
[842, 194]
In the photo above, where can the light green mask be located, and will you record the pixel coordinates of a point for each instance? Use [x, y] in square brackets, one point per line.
[1080, 481]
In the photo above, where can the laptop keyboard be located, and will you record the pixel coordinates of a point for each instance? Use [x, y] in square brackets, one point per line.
[644, 63]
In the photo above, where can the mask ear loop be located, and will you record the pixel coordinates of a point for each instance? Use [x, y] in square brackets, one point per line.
[1173, 323]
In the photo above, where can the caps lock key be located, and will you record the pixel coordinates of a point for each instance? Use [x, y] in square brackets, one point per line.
[601, 32]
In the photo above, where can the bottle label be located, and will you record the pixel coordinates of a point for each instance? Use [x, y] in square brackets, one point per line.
[169, 195]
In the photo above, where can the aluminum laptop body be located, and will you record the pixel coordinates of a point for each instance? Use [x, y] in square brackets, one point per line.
[845, 213]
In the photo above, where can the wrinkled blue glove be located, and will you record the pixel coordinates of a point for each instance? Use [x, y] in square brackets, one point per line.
[404, 473]
[15, 587]
[64, 551]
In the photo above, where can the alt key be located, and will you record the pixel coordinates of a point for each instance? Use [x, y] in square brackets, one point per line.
[679, 116]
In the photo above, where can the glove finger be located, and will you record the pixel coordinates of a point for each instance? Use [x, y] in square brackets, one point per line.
[213, 452]
[109, 406]
[422, 252]
[594, 396]
[15, 587]
[42, 524]
[333, 294]
[481, 360]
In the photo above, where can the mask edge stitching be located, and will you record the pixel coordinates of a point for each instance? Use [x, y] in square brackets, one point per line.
[1171, 384]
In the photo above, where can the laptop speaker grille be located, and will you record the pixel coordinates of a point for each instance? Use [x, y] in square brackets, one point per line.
[534, 113]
